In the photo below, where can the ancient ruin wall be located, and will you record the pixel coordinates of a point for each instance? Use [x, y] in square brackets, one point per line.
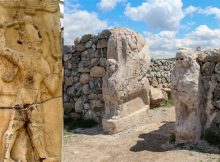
[84, 67]
[159, 73]
[210, 92]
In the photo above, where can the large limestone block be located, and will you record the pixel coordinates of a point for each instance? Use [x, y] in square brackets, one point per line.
[30, 81]
[125, 88]
[157, 97]
[185, 93]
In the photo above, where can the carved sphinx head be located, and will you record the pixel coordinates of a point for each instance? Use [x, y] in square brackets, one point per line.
[185, 58]
[127, 60]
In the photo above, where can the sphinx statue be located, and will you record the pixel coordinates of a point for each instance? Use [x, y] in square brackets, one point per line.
[125, 87]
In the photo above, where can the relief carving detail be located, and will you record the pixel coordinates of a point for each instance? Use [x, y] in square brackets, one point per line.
[32, 78]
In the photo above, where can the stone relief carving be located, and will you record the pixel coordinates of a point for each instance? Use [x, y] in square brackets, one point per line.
[33, 81]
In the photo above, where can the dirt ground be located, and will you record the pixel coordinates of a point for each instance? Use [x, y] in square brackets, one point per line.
[147, 142]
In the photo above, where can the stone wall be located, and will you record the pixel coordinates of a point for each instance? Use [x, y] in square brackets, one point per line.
[210, 92]
[84, 67]
[159, 73]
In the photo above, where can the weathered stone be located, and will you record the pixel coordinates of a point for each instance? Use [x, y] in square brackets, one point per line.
[215, 77]
[67, 73]
[85, 89]
[66, 98]
[86, 106]
[104, 34]
[157, 97]
[67, 49]
[80, 47]
[99, 104]
[77, 41]
[214, 131]
[66, 57]
[84, 66]
[217, 68]
[208, 68]
[92, 104]
[91, 115]
[74, 115]
[79, 105]
[216, 104]
[216, 93]
[97, 71]
[214, 56]
[154, 82]
[126, 95]
[85, 38]
[86, 54]
[94, 61]
[68, 81]
[102, 62]
[92, 96]
[185, 93]
[88, 44]
[102, 43]
[84, 78]
[95, 83]
[68, 107]
[74, 90]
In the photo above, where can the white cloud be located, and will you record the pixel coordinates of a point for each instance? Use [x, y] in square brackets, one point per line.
[212, 11]
[81, 22]
[108, 5]
[71, 7]
[158, 14]
[165, 43]
[191, 10]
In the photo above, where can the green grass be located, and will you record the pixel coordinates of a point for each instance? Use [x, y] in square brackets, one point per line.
[168, 103]
[78, 123]
[66, 133]
[172, 138]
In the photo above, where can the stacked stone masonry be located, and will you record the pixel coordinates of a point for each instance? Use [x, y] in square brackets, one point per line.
[84, 67]
[159, 73]
[209, 61]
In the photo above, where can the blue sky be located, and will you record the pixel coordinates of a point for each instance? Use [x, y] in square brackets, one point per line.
[166, 24]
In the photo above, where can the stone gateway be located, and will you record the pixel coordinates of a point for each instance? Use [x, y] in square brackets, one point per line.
[125, 87]
[31, 81]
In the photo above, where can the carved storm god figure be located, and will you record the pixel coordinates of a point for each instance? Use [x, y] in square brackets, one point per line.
[30, 82]
[185, 93]
[125, 87]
